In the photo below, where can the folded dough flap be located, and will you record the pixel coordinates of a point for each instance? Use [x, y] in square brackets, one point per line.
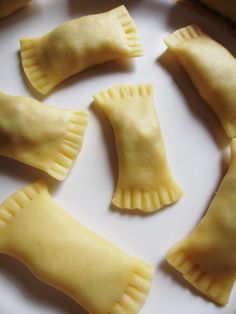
[218, 289]
[182, 35]
[130, 31]
[31, 65]
[70, 146]
[16, 202]
[136, 291]
[115, 93]
[148, 200]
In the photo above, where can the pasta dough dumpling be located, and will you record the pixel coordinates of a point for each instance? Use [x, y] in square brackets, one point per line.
[207, 257]
[78, 44]
[212, 70]
[145, 181]
[41, 136]
[67, 256]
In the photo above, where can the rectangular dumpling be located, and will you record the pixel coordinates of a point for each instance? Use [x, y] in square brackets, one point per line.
[67, 256]
[41, 136]
[212, 70]
[207, 257]
[8, 7]
[77, 45]
[145, 181]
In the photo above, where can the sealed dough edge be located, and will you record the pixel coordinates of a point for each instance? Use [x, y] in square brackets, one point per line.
[216, 285]
[70, 147]
[183, 34]
[215, 289]
[76, 281]
[130, 31]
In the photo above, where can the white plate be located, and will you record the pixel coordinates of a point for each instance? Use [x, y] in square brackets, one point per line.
[194, 139]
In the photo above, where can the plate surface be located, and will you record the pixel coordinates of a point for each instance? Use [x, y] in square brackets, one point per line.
[195, 142]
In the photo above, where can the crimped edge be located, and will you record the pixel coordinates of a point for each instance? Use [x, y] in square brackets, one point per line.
[136, 291]
[17, 201]
[32, 68]
[183, 34]
[123, 91]
[70, 147]
[130, 31]
[211, 286]
[147, 200]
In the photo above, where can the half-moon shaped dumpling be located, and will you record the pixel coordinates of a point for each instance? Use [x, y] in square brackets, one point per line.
[67, 256]
[77, 45]
[212, 70]
[8, 7]
[41, 136]
[145, 181]
[207, 257]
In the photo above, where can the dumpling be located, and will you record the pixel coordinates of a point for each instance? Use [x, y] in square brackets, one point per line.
[145, 181]
[8, 7]
[212, 70]
[67, 256]
[41, 136]
[77, 45]
[207, 257]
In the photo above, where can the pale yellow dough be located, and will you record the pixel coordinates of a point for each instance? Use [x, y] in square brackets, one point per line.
[41, 136]
[212, 70]
[8, 7]
[66, 255]
[224, 7]
[207, 257]
[77, 45]
[144, 181]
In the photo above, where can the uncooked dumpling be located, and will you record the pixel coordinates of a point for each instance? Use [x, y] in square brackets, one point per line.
[212, 70]
[145, 181]
[207, 257]
[77, 45]
[67, 256]
[41, 136]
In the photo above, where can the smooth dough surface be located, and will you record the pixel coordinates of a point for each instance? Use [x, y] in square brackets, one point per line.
[41, 136]
[212, 70]
[207, 257]
[8, 7]
[66, 255]
[144, 180]
[77, 45]
[224, 7]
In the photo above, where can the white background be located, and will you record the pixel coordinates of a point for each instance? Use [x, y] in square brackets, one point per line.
[195, 143]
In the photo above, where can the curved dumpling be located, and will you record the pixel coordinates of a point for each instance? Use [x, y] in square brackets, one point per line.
[77, 45]
[207, 257]
[212, 70]
[41, 136]
[145, 181]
